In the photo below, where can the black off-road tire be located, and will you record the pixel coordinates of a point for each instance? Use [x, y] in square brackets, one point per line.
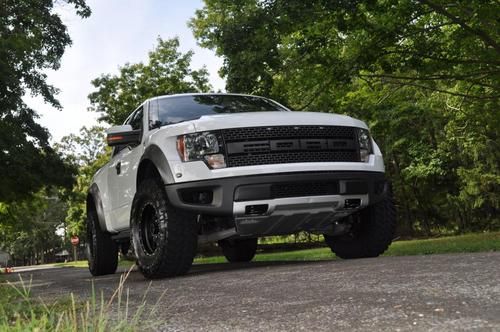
[102, 251]
[371, 234]
[239, 250]
[164, 239]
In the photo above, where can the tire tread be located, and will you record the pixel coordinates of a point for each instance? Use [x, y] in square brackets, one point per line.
[242, 250]
[176, 255]
[104, 260]
[376, 235]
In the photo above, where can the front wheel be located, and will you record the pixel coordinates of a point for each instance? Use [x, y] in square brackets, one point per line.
[239, 250]
[372, 231]
[163, 238]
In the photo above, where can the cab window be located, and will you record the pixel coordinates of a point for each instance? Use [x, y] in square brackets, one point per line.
[136, 119]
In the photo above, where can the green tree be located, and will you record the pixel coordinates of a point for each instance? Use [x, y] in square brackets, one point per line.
[32, 39]
[28, 227]
[304, 52]
[84, 148]
[424, 75]
[88, 151]
[167, 71]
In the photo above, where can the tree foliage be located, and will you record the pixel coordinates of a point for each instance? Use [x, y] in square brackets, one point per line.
[28, 227]
[88, 151]
[424, 74]
[274, 46]
[32, 39]
[167, 71]
[85, 147]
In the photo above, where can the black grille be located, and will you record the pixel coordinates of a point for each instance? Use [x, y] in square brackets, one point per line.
[283, 190]
[252, 133]
[291, 157]
[290, 144]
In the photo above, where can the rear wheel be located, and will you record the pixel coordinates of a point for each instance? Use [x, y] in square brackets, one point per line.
[239, 250]
[372, 231]
[102, 251]
[163, 238]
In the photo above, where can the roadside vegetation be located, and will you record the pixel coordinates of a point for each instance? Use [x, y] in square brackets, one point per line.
[445, 245]
[20, 311]
[477, 242]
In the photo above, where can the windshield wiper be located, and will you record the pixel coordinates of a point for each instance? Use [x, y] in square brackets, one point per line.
[176, 122]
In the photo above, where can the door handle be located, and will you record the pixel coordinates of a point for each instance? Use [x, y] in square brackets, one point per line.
[118, 168]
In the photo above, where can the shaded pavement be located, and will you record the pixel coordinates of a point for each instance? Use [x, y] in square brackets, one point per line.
[436, 292]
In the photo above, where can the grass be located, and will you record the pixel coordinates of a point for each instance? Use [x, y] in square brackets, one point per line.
[477, 242]
[19, 311]
[121, 263]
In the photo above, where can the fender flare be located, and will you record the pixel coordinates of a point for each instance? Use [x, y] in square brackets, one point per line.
[154, 154]
[95, 194]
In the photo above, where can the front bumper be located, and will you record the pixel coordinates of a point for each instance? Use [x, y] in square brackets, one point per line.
[262, 194]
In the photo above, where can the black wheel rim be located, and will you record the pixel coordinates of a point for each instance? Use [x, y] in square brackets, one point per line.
[149, 229]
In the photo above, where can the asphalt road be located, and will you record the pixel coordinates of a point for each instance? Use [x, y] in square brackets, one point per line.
[416, 293]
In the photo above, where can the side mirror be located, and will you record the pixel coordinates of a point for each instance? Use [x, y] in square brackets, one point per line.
[123, 135]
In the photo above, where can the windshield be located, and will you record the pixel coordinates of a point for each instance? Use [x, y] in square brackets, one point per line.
[176, 109]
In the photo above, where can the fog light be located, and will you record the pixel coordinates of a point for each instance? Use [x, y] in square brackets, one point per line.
[216, 161]
[191, 196]
[205, 197]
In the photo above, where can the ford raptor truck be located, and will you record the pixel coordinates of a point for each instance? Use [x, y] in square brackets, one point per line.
[195, 168]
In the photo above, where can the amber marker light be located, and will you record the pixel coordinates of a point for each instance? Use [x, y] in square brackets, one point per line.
[114, 138]
[181, 149]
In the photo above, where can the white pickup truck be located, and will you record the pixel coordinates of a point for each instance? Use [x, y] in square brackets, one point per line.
[194, 168]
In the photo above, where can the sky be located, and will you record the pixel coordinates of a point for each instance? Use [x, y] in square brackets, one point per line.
[117, 32]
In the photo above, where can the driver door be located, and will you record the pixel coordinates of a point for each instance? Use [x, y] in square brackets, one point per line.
[123, 172]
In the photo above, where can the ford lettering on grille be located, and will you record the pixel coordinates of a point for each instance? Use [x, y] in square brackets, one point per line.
[290, 144]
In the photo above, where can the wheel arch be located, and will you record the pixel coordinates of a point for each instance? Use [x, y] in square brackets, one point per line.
[94, 200]
[153, 162]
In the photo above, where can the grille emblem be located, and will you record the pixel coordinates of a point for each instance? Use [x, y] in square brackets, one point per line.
[290, 144]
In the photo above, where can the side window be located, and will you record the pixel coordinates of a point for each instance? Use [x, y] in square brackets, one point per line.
[154, 120]
[127, 121]
[136, 121]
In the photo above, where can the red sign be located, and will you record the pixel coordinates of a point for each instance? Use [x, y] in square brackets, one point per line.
[75, 240]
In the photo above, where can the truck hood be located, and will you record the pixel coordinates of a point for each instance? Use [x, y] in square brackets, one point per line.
[260, 119]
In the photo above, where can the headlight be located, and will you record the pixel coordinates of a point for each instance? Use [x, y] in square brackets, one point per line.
[202, 146]
[365, 145]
